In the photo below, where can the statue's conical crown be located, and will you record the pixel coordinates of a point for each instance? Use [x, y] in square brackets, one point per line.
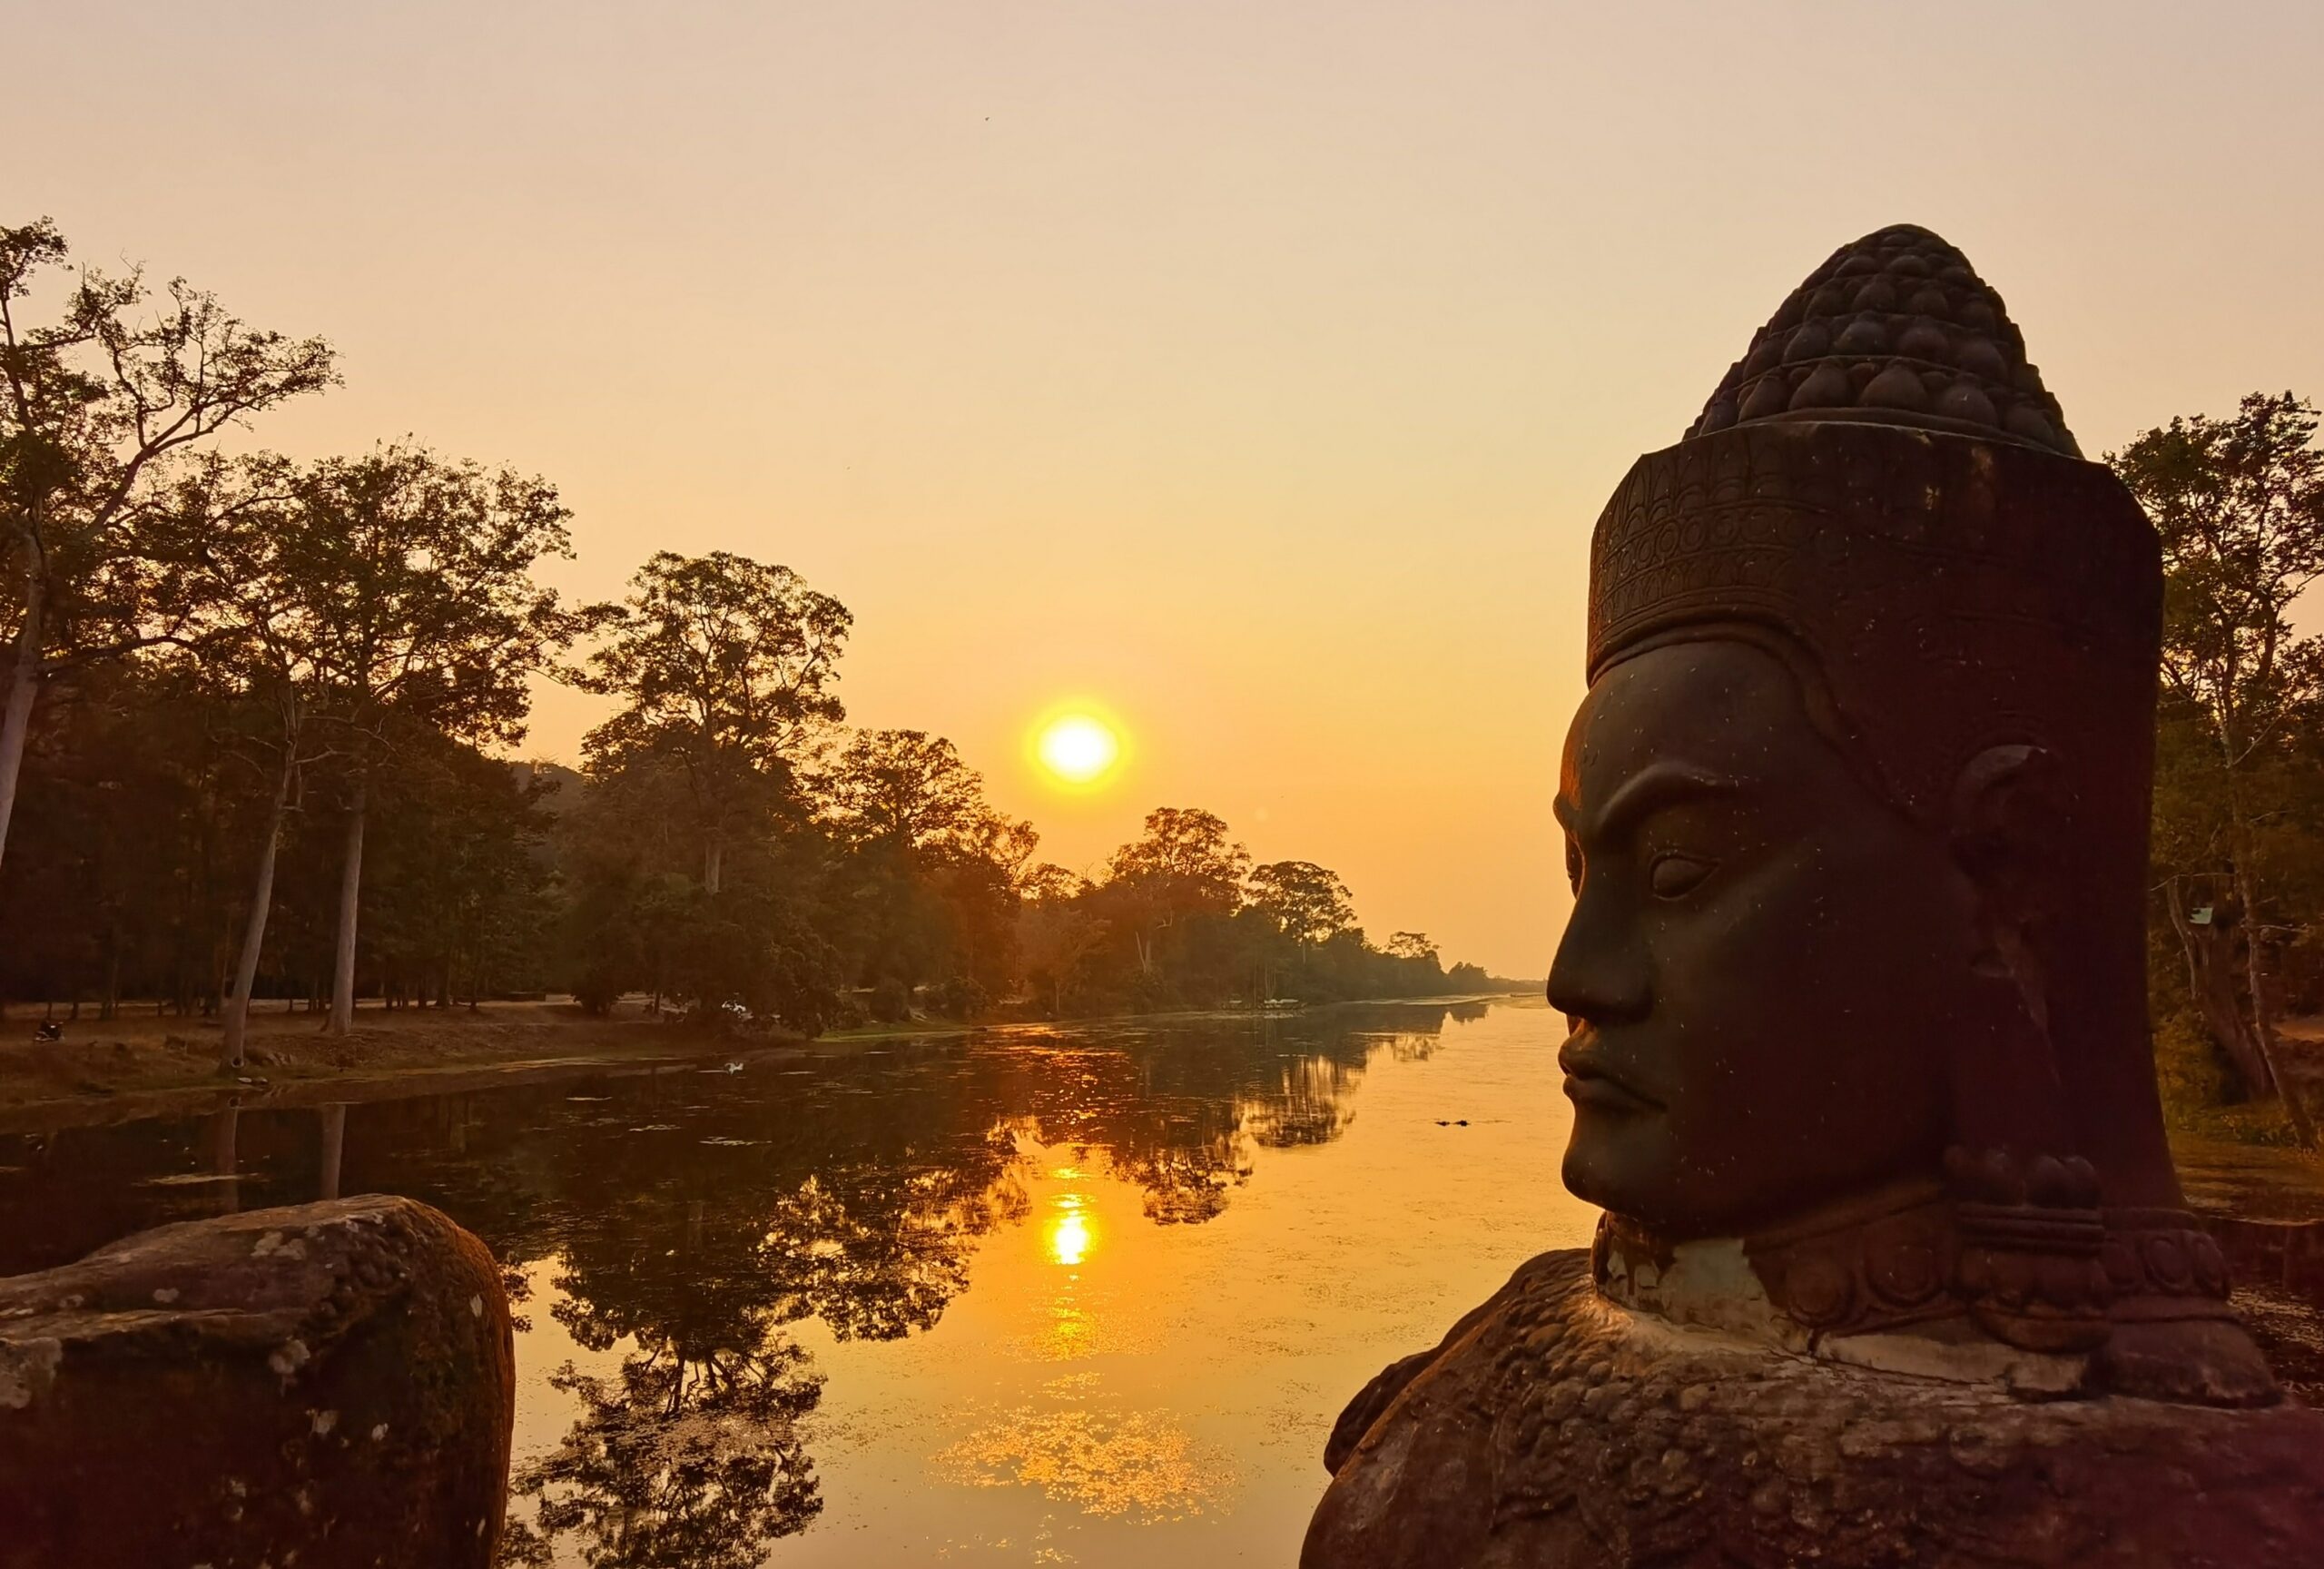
[1897, 328]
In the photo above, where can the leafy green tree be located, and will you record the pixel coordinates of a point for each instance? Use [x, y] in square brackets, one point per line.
[724, 665]
[933, 861]
[1184, 866]
[96, 408]
[1299, 907]
[623, 844]
[1187, 855]
[1414, 945]
[1467, 977]
[1308, 903]
[1413, 960]
[114, 889]
[265, 636]
[462, 898]
[417, 576]
[1058, 933]
[909, 788]
[2239, 506]
[1047, 882]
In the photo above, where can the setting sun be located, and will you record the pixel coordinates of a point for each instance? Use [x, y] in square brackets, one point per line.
[1078, 748]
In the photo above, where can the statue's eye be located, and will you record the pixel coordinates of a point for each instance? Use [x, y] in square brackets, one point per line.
[1673, 875]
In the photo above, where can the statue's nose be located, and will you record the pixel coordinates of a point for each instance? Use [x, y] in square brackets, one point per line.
[1600, 975]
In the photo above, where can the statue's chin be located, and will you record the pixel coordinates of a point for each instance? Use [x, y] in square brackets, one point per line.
[1627, 1170]
[1600, 1169]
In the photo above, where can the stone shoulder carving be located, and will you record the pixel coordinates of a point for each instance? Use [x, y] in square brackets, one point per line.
[1556, 1430]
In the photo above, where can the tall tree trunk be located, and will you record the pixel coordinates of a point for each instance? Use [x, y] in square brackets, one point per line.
[16, 710]
[714, 864]
[2211, 983]
[351, 884]
[2263, 1023]
[238, 1008]
[2247, 892]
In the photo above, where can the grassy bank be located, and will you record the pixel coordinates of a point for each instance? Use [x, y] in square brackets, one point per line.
[2195, 1084]
[140, 1065]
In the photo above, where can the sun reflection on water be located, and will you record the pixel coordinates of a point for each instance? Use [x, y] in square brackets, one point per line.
[1140, 1464]
[1070, 1234]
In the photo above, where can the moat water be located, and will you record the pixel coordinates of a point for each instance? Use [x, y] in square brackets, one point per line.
[1041, 1295]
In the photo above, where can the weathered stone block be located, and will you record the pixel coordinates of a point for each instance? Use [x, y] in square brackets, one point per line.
[325, 1384]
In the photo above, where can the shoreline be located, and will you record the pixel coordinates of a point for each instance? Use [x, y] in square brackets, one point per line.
[126, 1071]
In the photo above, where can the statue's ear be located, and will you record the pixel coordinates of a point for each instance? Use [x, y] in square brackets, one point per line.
[2010, 811]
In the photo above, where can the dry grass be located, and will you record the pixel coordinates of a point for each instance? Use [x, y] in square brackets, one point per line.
[130, 1065]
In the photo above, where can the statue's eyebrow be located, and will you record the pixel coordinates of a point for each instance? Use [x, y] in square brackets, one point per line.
[1653, 787]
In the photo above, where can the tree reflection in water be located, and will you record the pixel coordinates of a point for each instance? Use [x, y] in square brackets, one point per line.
[690, 1219]
[865, 1216]
[880, 1256]
[676, 1463]
[1179, 1118]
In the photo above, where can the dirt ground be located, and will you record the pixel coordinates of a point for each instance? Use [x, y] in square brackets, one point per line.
[143, 1063]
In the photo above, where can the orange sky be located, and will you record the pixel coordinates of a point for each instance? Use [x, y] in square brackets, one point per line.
[1256, 368]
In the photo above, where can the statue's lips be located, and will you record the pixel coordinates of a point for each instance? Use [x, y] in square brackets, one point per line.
[1588, 1081]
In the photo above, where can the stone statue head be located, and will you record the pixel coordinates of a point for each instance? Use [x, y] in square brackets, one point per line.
[1855, 813]
[1766, 961]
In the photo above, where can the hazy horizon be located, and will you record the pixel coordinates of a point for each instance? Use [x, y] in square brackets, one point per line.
[1255, 373]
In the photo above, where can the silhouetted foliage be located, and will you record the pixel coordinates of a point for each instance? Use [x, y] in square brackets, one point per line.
[2239, 504]
[101, 410]
[262, 774]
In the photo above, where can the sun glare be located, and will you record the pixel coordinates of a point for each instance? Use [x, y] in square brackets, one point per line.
[1069, 1239]
[1078, 749]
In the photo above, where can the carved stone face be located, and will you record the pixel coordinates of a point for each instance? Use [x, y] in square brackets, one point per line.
[1764, 961]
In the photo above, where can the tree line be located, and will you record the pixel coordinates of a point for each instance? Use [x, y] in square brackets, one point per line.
[253, 713]
[256, 713]
[2239, 802]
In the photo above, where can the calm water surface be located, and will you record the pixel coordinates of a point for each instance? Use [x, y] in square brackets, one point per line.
[1083, 1295]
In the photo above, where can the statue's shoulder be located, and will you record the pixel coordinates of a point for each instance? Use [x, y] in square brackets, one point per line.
[1413, 1453]
[1547, 1279]
[1554, 1429]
